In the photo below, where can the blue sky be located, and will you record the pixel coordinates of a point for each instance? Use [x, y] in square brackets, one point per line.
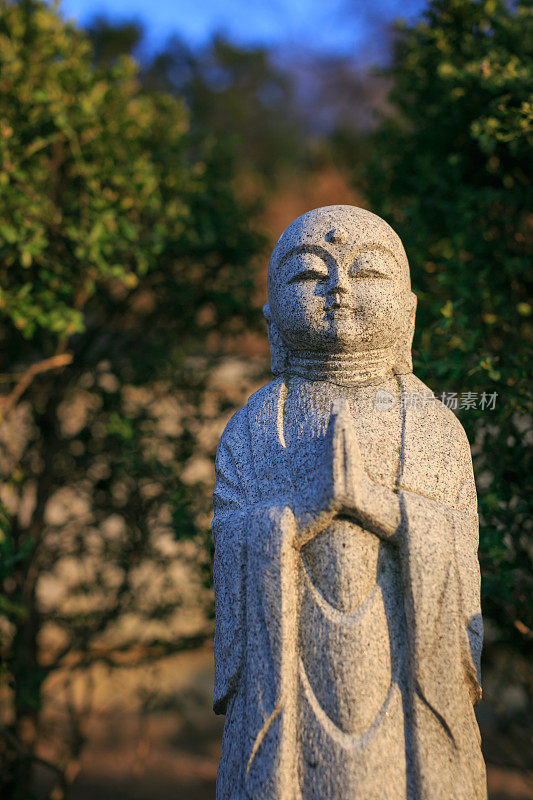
[328, 26]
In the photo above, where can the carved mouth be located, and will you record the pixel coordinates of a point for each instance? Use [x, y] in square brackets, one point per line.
[340, 310]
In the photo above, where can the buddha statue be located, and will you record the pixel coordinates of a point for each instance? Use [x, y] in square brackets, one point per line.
[348, 626]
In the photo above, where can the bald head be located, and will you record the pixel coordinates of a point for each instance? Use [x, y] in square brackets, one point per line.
[338, 279]
[341, 232]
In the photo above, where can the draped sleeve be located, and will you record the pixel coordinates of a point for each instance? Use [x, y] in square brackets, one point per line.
[465, 523]
[231, 500]
[439, 501]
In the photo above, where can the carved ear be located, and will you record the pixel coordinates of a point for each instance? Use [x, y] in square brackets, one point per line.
[279, 355]
[404, 361]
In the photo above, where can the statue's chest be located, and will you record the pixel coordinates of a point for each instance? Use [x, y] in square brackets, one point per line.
[307, 411]
[344, 561]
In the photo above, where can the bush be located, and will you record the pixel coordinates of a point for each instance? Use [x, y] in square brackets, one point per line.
[123, 253]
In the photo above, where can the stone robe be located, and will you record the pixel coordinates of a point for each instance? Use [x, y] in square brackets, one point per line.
[348, 669]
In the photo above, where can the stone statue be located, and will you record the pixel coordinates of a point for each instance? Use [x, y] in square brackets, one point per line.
[348, 625]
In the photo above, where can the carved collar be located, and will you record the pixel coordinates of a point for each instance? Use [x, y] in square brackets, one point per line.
[362, 368]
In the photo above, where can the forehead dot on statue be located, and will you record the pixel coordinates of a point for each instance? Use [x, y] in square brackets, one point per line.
[337, 236]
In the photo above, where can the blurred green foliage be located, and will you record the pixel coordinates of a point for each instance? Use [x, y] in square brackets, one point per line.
[234, 93]
[97, 184]
[238, 93]
[449, 167]
[124, 255]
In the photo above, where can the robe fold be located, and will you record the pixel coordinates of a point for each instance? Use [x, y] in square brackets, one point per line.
[281, 740]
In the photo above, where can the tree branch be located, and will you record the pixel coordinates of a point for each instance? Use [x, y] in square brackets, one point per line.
[129, 654]
[55, 362]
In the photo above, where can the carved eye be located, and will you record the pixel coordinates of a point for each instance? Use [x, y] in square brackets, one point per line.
[308, 275]
[372, 264]
[306, 267]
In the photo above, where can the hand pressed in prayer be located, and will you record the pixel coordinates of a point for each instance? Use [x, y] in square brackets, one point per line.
[349, 479]
[355, 495]
[341, 487]
[339, 481]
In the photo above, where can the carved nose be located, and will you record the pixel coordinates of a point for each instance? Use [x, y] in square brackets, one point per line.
[334, 296]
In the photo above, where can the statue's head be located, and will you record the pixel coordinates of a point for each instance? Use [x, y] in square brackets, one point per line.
[338, 282]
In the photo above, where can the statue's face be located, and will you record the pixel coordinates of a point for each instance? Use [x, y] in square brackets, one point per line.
[337, 296]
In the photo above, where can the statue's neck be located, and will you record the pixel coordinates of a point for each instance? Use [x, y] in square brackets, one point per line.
[364, 368]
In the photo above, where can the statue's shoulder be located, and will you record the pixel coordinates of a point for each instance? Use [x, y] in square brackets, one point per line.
[449, 427]
[258, 404]
[235, 428]
[265, 397]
